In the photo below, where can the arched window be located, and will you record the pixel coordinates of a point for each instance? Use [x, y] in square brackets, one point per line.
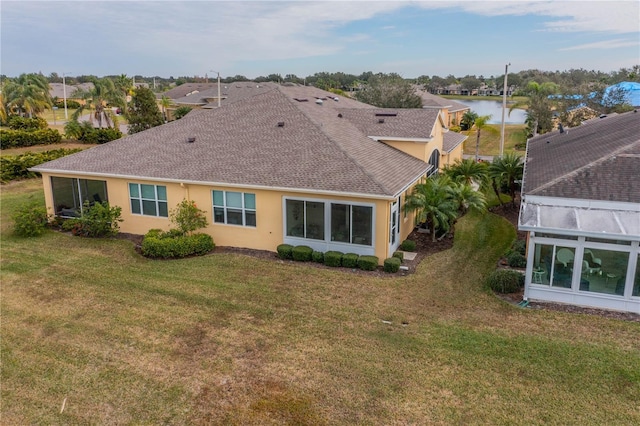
[434, 160]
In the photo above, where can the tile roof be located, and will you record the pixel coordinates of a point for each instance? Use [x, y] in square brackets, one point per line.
[241, 143]
[595, 161]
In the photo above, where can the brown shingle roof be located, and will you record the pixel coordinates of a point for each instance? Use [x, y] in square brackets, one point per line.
[242, 144]
[595, 161]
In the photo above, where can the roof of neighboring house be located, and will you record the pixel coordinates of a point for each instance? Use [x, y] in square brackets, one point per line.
[184, 89]
[598, 160]
[273, 139]
[452, 140]
[430, 100]
[228, 93]
[58, 89]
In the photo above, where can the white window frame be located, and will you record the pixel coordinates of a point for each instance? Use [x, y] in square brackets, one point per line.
[244, 209]
[156, 199]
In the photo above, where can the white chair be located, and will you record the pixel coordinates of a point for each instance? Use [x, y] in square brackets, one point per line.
[595, 263]
[564, 256]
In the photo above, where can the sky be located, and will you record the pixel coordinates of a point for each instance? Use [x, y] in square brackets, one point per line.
[258, 38]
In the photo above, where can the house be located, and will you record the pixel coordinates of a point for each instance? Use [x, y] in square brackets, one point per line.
[581, 209]
[281, 164]
[452, 110]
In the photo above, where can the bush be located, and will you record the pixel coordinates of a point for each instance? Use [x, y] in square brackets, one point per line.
[170, 245]
[16, 122]
[181, 111]
[23, 138]
[408, 245]
[97, 220]
[520, 246]
[516, 260]
[350, 260]
[505, 281]
[17, 166]
[368, 263]
[188, 217]
[333, 258]
[391, 264]
[285, 251]
[85, 132]
[317, 256]
[71, 104]
[30, 220]
[302, 253]
[399, 255]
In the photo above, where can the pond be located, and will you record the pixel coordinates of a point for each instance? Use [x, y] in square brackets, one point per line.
[494, 109]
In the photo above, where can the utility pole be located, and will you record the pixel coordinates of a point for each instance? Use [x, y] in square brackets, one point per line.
[64, 95]
[504, 107]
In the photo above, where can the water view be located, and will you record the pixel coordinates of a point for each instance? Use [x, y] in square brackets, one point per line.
[494, 109]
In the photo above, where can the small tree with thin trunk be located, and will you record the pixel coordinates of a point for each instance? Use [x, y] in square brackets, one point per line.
[143, 111]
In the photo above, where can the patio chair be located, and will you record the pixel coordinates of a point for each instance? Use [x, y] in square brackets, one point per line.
[564, 256]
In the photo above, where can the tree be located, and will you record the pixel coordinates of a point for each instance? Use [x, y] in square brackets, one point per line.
[540, 105]
[507, 171]
[468, 118]
[165, 102]
[102, 94]
[466, 198]
[188, 217]
[181, 111]
[434, 201]
[480, 124]
[27, 94]
[467, 171]
[389, 91]
[143, 111]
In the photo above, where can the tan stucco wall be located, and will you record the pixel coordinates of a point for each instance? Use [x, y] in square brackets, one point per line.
[269, 230]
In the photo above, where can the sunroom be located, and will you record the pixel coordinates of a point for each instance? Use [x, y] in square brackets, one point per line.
[70, 195]
[583, 253]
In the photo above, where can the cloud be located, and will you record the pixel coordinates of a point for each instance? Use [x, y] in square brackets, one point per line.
[605, 44]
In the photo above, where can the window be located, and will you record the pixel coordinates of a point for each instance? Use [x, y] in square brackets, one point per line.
[234, 208]
[434, 160]
[70, 194]
[351, 224]
[148, 200]
[305, 219]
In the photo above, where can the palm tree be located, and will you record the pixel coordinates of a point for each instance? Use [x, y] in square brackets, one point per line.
[506, 171]
[467, 171]
[165, 102]
[103, 93]
[467, 198]
[434, 202]
[28, 94]
[480, 124]
[467, 120]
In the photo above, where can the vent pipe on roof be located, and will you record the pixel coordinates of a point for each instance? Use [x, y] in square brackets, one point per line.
[381, 120]
[192, 139]
[280, 123]
[319, 101]
[339, 115]
[560, 127]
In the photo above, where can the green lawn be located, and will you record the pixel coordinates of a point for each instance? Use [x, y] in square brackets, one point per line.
[490, 139]
[92, 333]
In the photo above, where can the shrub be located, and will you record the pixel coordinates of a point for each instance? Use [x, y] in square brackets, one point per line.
[516, 260]
[181, 111]
[285, 251]
[317, 256]
[333, 258]
[188, 217]
[350, 260]
[368, 263]
[17, 166]
[23, 138]
[391, 264]
[169, 245]
[399, 255]
[302, 253]
[30, 220]
[97, 220]
[16, 122]
[71, 104]
[86, 133]
[505, 281]
[520, 246]
[408, 245]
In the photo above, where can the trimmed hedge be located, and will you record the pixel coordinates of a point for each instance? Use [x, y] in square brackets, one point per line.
[16, 166]
[285, 251]
[368, 263]
[158, 244]
[333, 258]
[302, 253]
[391, 264]
[317, 256]
[408, 245]
[516, 260]
[399, 255]
[350, 260]
[22, 138]
[505, 281]
[15, 122]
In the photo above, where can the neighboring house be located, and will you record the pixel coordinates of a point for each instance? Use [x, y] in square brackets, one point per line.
[581, 207]
[452, 110]
[290, 164]
[57, 90]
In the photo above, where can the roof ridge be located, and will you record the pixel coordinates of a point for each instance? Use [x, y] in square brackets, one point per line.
[586, 166]
[320, 127]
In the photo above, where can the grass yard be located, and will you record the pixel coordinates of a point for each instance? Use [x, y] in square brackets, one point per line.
[490, 139]
[92, 333]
